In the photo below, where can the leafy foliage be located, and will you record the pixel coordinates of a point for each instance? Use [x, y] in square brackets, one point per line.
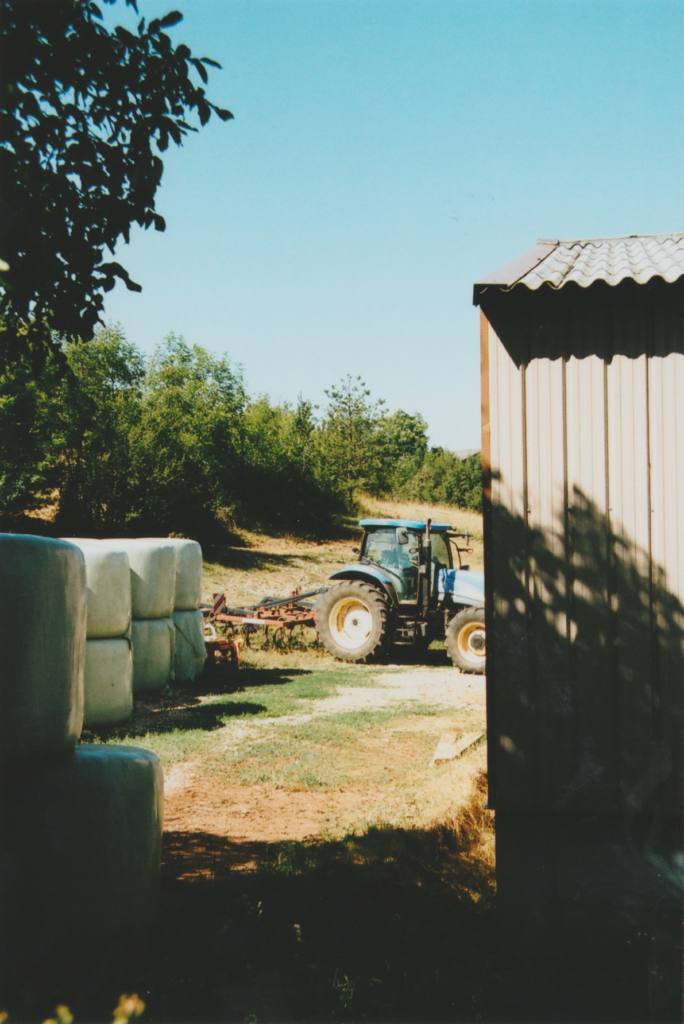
[82, 111]
[185, 445]
[401, 443]
[348, 434]
[27, 413]
[96, 407]
[286, 480]
[175, 444]
[445, 479]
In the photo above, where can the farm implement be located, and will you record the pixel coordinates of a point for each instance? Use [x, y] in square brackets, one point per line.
[270, 613]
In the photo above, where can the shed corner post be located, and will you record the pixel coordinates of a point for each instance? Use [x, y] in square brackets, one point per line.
[488, 553]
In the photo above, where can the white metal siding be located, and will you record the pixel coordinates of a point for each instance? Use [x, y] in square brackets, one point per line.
[588, 582]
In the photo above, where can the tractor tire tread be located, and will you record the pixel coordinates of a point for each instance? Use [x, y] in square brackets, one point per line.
[380, 642]
[465, 618]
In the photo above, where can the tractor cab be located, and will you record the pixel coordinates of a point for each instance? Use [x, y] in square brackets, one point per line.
[397, 547]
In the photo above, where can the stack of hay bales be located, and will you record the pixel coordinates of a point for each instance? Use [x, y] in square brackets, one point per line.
[153, 586]
[144, 625]
[187, 618]
[80, 826]
[108, 675]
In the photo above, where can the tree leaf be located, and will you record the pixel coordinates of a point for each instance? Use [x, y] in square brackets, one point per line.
[172, 18]
[200, 70]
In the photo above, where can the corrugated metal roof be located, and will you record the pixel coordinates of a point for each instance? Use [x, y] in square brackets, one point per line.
[584, 261]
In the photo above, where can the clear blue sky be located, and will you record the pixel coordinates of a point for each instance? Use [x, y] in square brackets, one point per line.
[384, 156]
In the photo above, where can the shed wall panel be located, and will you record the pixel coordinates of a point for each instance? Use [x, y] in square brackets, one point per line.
[590, 659]
[513, 744]
[666, 383]
[666, 422]
[586, 434]
[629, 495]
[546, 480]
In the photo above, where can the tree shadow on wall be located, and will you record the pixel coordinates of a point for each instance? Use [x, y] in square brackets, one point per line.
[585, 736]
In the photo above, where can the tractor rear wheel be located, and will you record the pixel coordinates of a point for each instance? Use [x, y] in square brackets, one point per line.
[465, 640]
[354, 621]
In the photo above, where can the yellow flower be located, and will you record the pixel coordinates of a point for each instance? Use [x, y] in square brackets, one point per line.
[129, 1006]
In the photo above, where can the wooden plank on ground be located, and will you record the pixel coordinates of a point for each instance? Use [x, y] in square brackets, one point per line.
[449, 747]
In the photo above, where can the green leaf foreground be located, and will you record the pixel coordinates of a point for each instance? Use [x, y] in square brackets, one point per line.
[84, 113]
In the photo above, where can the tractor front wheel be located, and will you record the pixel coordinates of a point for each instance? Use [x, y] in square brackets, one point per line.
[354, 621]
[465, 640]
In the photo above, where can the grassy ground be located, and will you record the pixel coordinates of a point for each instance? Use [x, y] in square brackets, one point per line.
[310, 728]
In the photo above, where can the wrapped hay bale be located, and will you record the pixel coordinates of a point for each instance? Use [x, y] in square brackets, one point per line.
[188, 593]
[108, 589]
[108, 682]
[80, 849]
[152, 574]
[107, 679]
[190, 650]
[154, 642]
[42, 640]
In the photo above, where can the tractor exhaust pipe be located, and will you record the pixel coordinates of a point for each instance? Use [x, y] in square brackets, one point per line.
[427, 567]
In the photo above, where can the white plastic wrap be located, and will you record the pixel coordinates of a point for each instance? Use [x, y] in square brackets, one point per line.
[42, 645]
[107, 682]
[154, 641]
[190, 650]
[188, 574]
[80, 848]
[108, 583]
[153, 576]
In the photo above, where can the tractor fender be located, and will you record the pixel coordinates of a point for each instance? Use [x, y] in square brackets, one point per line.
[367, 574]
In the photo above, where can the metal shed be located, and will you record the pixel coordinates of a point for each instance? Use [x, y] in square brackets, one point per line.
[583, 463]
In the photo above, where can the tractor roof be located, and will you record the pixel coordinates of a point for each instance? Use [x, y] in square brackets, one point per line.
[410, 524]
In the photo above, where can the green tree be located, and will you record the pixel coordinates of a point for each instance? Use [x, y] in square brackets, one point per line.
[400, 442]
[347, 435]
[67, 434]
[285, 479]
[472, 482]
[82, 111]
[187, 446]
[445, 479]
[96, 409]
[28, 409]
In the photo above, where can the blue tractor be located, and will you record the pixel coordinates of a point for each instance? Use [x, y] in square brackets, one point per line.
[405, 590]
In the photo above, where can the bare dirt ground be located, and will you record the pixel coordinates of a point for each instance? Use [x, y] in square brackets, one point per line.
[258, 814]
[248, 813]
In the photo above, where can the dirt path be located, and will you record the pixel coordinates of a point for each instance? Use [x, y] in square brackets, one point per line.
[208, 806]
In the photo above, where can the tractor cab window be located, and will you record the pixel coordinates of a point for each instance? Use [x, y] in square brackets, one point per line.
[381, 548]
[440, 551]
[402, 560]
